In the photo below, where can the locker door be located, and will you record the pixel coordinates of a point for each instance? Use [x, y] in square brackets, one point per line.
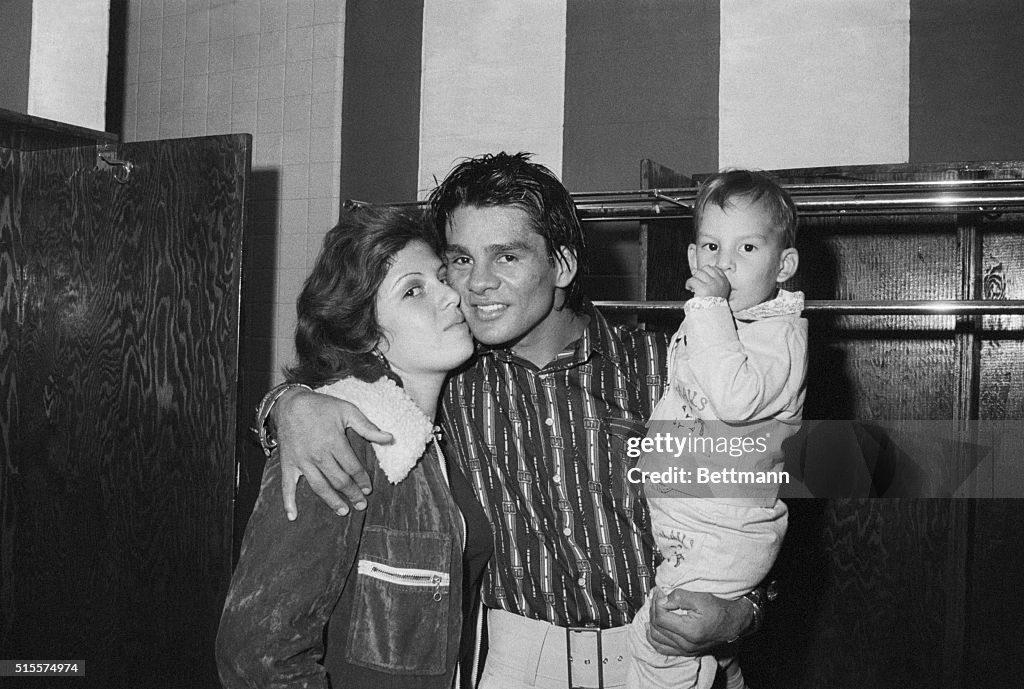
[120, 371]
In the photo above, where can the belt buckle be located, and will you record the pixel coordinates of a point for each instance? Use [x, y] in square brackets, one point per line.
[581, 642]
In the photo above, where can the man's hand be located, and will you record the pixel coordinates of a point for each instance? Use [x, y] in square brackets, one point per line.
[709, 281]
[311, 442]
[684, 623]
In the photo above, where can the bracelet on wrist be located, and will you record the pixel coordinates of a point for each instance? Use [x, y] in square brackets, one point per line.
[266, 405]
[757, 620]
[758, 598]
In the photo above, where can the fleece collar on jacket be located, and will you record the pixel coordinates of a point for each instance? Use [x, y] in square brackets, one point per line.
[786, 303]
[392, 410]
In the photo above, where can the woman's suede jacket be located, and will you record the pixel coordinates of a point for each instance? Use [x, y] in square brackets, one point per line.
[384, 582]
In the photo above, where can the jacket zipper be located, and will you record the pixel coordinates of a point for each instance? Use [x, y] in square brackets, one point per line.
[406, 576]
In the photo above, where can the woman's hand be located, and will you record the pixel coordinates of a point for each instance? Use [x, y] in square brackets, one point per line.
[312, 443]
[706, 622]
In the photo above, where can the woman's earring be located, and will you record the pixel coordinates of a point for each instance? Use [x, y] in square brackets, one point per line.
[380, 357]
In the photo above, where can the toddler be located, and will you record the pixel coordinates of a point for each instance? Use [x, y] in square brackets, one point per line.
[737, 369]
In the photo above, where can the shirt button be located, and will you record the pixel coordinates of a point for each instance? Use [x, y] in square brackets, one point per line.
[556, 479]
[567, 531]
[549, 421]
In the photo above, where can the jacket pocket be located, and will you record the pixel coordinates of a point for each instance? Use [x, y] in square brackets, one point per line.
[400, 620]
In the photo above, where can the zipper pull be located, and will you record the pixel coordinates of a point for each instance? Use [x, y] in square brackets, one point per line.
[437, 588]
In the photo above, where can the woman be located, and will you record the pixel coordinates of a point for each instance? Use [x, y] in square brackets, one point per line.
[382, 597]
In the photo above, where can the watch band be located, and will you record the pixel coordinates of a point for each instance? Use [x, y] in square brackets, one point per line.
[758, 599]
[266, 405]
[755, 624]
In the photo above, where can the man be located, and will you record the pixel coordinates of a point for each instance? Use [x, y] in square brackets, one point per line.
[538, 421]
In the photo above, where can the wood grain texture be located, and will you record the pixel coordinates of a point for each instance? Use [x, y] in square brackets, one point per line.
[126, 376]
[10, 303]
[995, 636]
[863, 602]
[663, 267]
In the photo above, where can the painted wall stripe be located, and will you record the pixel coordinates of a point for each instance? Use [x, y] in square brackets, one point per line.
[966, 98]
[805, 82]
[641, 81]
[381, 100]
[493, 79]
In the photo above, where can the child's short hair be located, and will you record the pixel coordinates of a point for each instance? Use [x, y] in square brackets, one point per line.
[755, 187]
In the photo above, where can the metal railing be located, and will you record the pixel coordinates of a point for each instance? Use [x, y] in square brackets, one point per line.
[852, 308]
[866, 198]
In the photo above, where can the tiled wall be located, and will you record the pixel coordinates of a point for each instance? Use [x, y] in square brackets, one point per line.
[271, 68]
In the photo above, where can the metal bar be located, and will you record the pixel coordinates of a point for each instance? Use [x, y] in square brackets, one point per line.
[906, 204]
[833, 187]
[842, 307]
[937, 196]
[866, 198]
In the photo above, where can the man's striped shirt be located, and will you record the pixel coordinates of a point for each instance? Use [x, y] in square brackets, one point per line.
[545, 450]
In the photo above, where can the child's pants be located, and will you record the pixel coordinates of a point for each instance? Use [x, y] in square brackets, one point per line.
[709, 546]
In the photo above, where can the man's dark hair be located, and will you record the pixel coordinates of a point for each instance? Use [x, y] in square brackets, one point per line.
[753, 187]
[504, 179]
[338, 328]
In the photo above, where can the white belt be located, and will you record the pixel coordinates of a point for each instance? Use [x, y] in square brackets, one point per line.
[582, 657]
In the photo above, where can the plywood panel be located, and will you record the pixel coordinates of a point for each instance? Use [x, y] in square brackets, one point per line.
[122, 476]
[10, 317]
[995, 639]
[863, 597]
[663, 266]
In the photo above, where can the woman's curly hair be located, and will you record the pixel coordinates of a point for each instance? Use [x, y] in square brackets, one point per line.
[337, 327]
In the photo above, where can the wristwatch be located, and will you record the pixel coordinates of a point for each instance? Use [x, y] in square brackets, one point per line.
[759, 598]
